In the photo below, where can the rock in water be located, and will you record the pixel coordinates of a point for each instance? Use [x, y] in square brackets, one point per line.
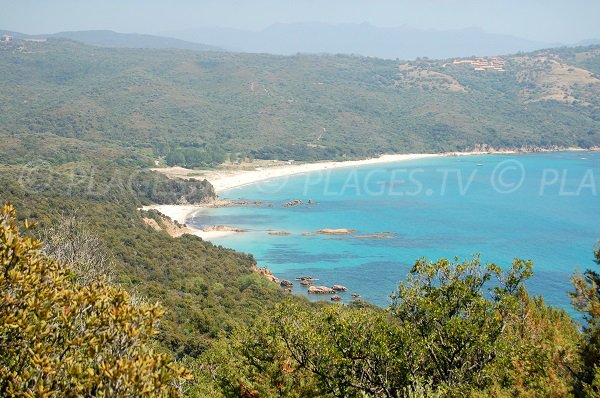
[339, 288]
[293, 203]
[321, 290]
[305, 278]
[286, 283]
[279, 233]
[338, 231]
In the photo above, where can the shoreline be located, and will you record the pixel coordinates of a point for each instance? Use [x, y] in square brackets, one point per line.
[229, 179]
[182, 213]
[223, 181]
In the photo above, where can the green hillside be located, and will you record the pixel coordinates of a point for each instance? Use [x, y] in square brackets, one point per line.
[78, 127]
[207, 289]
[134, 105]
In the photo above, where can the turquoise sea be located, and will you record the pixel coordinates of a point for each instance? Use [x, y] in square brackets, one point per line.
[544, 207]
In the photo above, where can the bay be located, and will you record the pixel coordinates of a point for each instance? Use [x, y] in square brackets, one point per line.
[542, 207]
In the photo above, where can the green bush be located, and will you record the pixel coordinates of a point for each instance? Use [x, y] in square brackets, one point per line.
[62, 339]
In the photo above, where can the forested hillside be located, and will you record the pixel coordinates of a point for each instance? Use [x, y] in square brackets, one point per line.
[78, 127]
[206, 289]
[133, 106]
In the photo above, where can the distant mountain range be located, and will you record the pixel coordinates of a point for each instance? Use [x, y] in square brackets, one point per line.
[315, 38]
[108, 38]
[363, 39]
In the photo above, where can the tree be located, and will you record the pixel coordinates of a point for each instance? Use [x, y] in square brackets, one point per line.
[175, 158]
[252, 362]
[586, 300]
[453, 329]
[352, 352]
[60, 338]
[70, 243]
[539, 352]
[456, 319]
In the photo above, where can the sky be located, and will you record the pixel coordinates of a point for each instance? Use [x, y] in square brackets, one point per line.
[556, 21]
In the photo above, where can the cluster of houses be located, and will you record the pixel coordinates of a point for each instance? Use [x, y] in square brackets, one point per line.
[483, 64]
[8, 39]
[12, 43]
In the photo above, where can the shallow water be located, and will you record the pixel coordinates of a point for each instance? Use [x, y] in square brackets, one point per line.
[542, 207]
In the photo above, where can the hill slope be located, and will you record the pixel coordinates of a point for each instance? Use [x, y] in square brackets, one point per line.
[133, 105]
[108, 38]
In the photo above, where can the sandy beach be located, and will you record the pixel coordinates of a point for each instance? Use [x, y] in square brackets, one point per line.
[183, 213]
[222, 180]
[225, 181]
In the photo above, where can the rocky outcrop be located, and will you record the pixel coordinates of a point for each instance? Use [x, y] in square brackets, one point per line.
[158, 222]
[265, 272]
[306, 283]
[286, 283]
[161, 190]
[336, 298]
[339, 288]
[320, 290]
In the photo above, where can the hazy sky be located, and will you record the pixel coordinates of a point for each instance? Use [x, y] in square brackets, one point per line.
[564, 21]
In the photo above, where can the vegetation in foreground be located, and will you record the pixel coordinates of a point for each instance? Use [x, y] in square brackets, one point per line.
[452, 329]
[62, 338]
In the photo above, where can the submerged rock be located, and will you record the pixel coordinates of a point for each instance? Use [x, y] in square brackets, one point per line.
[338, 231]
[222, 228]
[381, 235]
[279, 233]
[305, 278]
[296, 202]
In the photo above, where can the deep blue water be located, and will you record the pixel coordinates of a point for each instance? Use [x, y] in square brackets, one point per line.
[543, 207]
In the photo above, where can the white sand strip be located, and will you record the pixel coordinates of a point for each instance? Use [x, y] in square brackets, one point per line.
[225, 181]
[182, 214]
